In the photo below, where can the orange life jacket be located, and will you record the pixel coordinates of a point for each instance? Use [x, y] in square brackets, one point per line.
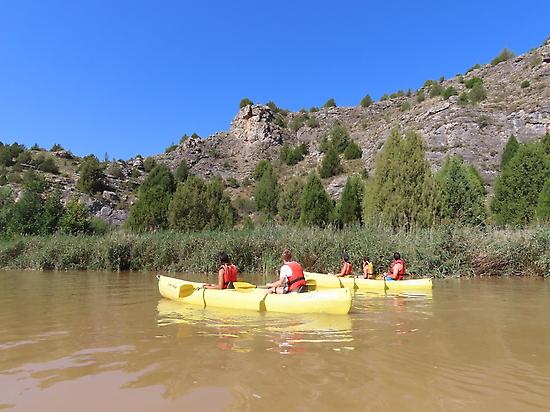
[229, 274]
[346, 269]
[401, 272]
[297, 279]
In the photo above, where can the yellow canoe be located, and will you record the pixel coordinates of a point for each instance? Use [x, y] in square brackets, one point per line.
[334, 301]
[329, 281]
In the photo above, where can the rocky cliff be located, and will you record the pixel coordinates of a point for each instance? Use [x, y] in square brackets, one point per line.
[477, 132]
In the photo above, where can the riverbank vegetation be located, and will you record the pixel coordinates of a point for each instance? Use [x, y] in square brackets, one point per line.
[441, 252]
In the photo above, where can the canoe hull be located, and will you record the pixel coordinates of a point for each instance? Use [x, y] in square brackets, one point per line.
[329, 281]
[330, 301]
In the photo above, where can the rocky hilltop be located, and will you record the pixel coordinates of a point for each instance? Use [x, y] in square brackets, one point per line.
[517, 102]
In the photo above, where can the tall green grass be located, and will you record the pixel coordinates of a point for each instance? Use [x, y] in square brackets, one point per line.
[439, 252]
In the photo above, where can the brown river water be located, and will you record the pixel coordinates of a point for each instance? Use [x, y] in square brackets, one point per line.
[108, 341]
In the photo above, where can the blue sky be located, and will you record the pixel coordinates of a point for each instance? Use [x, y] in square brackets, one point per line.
[129, 77]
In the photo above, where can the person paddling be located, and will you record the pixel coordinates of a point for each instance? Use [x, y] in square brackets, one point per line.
[227, 274]
[291, 277]
[397, 268]
[346, 266]
[368, 268]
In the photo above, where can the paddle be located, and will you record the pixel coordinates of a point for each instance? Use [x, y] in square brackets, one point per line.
[245, 285]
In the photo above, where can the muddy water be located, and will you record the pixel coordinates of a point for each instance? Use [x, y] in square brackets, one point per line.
[97, 341]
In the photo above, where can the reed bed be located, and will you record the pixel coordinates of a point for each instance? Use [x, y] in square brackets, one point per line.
[438, 252]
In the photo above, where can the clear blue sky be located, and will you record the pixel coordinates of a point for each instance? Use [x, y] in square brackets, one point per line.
[129, 77]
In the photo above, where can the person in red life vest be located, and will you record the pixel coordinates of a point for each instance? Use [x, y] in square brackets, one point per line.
[397, 268]
[346, 266]
[227, 274]
[291, 277]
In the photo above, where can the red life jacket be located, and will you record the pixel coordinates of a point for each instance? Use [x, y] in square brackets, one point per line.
[229, 274]
[297, 279]
[401, 272]
[347, 269]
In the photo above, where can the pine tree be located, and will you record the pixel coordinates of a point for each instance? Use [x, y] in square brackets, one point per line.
[403, 192]
[517, 189]
[461, 192]
[330, 165]
[182, 172]
[543, 204]
[339, 137]
[91, 177]
[53, 212]
[289, 201]
[221, 212]
[353, 151]
[509, 151]
[267, 191]
[350, 205]
[187, 210]
[366, 101]
[316, 205]
[150, 212]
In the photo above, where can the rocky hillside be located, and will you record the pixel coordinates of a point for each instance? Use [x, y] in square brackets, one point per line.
[517, 102]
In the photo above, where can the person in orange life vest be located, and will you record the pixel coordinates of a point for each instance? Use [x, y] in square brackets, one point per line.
[397, 268]
[291, 277]
[346, 266]
[227, 274]
[368, 268]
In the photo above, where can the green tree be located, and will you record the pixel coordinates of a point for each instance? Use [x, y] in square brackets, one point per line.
[76, 218]
[267, 192]
[6, 207]
[517, 189]
[477, 94]
[261, 168]
[330, 165]
[245, 102]
[187, 209]
[353, 151]
[288, 205]
[403, 192]
[150, 211]
[53, 212]
[543, 203]
[91, 177]
[49, 166]
[316, 205]
[462, 195]
[26, 214]
[510, 150]
[149, 164]
[222, 215]
[350, 205]
[330, 103]
[292, 156]
[182, 172]
[366, 101]
[339, 137]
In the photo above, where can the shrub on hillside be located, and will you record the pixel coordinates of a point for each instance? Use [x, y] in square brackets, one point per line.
[353, 151]
[49, 166]
[76, 218]
[245, 102]
[366, 101]
[525, 84]
[330, 103]
[148, 164]
[330, 165]
[449, 91]
[91, 177]
[182, 171]
[470, 83]
[477, 94]
[505, 54]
